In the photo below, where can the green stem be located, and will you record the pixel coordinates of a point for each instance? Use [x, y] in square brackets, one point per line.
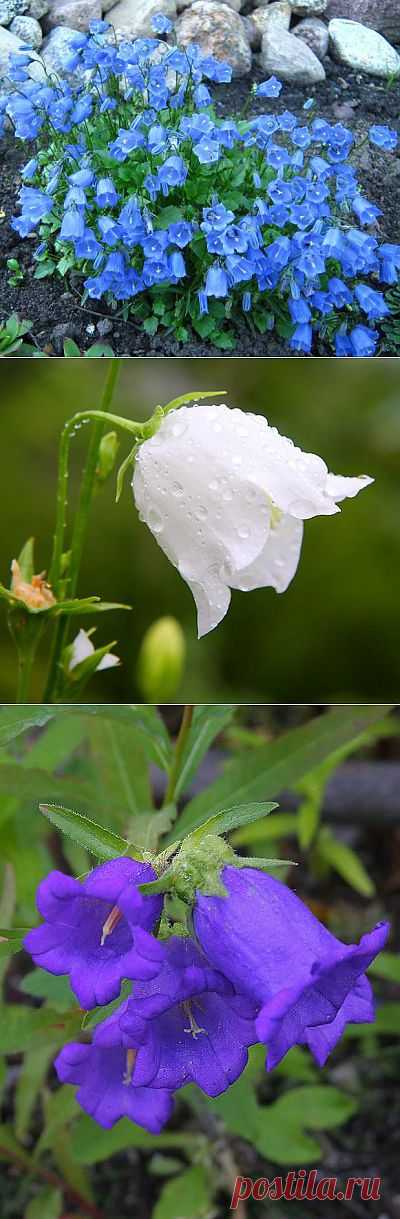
[178, 754]
[25, 662]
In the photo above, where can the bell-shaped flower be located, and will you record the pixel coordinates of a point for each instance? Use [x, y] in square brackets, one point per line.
[187, 1024]
[225, 495]
[98, 930]
[269, 944]
[82, 647]
[106, 1090]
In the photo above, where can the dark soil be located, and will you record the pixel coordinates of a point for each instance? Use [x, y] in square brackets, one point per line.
[54, 306]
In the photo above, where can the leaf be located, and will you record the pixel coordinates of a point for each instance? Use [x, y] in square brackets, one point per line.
[386, 1023]
[208, 721]
[22, 1028]
[10, 1149]
[15, 720]
[344, 861]
[46, 1205]
[71, 348]
[168, 215]
[144, 721]
[42, 985]
[31, 1077]
[387, 966]
[188, 1196]
[120, 767]
[278, 826]
[230, 818]
[60, 1108]
[90, 1144]
[102, 843]
[317, 1107]
[280, 763]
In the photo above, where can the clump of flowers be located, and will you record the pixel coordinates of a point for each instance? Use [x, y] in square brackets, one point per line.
[182, 218]
[234, 974]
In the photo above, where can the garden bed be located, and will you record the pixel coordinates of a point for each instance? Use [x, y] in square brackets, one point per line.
[54, 306]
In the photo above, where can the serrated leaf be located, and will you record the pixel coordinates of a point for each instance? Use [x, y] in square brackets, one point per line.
[102, 843]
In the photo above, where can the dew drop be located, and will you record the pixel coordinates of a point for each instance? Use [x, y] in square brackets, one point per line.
[201, 513]
[243, 532]
[155, 521]
[177, 490]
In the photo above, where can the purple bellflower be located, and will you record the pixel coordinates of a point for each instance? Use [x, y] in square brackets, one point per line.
[97, 931]
[188, 1024]
[103, 1072]
[272, 948]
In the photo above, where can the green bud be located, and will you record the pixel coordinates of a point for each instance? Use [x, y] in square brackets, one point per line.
[161, 661]
[108, 450]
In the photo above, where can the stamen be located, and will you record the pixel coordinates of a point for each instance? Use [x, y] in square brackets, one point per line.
[130, 1063]
[194, 1028]
[110, 923]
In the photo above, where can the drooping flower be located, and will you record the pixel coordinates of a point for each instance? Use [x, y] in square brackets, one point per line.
[36, 594]
[188, 1025]
[225, 495]
[103, 1073]
[274, 950]
[82, 647]
[97, 931]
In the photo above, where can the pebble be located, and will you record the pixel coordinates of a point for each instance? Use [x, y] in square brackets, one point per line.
[219, 31]
[308, 8]
[134, 17]
[380, 15]
[10, 9]
[29, 30]
[315, 34]
[362, 49]
[76, 14]
[289, 58]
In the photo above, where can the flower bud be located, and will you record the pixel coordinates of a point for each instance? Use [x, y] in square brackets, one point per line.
[161, 660]
[108, 450]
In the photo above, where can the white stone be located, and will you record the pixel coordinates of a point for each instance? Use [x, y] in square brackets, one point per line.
[58, 44]
[315, 34]
[308, 8]
[133, 18]
[362, 49]
[38, 8]
[289, 58]
[76, 14]
[29, 30]
[9, 45]
[219, 31]
[279, 13]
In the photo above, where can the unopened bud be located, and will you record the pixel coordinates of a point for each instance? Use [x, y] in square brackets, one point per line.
[108, 450]
[161, 661]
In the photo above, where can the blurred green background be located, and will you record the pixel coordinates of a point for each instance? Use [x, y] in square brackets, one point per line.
[334, 636]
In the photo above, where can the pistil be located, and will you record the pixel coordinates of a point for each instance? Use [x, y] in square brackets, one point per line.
[130, 1064]
[110, 924]
[194, 1028]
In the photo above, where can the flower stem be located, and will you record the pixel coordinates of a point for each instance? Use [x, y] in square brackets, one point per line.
[178, 754]
[100, 418]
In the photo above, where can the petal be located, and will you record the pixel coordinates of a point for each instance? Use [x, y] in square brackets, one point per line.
[81, 648]
[109, 661]
[212, 599]
[278, 561]
[358, 1008]
[340, 488]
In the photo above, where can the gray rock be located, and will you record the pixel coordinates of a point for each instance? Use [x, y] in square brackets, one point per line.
[308, 8]
[76, 14]
[362, 49]
[58, 44]
[289, 58]
[10, 9]
[29, 30]
[252, 32]
[38, 8]
[260, 3]
[315, 34]
[279, 13]
[381, 15]
[237, 5]
[134, 17]
[9, 45]
[219, 31]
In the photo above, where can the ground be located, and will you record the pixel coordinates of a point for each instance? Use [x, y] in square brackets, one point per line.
[54, 306]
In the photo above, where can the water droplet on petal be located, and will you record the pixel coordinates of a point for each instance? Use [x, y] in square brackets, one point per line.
[177, 490]
[155, 521]
[201, 513]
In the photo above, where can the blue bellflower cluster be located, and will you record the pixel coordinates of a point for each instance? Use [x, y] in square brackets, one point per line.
[185, 217]
[199, 1000]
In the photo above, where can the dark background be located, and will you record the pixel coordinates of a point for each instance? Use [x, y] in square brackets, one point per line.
[334, 636]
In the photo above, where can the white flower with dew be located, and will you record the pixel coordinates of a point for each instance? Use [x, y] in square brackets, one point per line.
[82, 647]
[225, 496]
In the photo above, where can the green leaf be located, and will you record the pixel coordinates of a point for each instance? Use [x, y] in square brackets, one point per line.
[71, 349]
[144, 721]
[168, 215]
[120, 768]
[386, 1024]
[188, 1196]
[10, 1149]
[150, 325]
[44, 269]
[47, 1204]
[281, 763]
[102, 843]
[208, 721]
[99, 349]
[317, 1107]
[387, 966]
[42, 985]
[90, 1144]
[60, 1108]
[30, 1080]
[278, 826]
[23, 1028]
[15, 720]
[230, 818]
[343, 860]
